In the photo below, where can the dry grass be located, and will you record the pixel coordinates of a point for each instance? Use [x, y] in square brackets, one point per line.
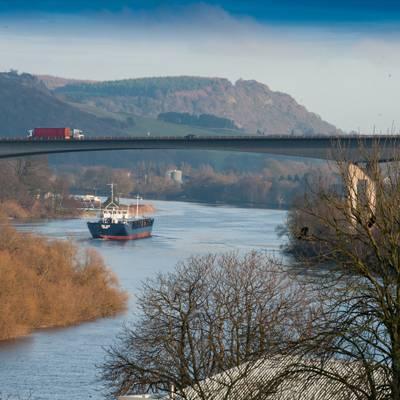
[12, 209]
[47, 283]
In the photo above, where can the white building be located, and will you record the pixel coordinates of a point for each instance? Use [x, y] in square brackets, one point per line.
[175, 175]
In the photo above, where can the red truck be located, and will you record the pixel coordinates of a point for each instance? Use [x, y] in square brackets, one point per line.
[55, 133]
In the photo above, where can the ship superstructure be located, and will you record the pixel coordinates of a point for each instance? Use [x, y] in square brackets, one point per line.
[115, 222]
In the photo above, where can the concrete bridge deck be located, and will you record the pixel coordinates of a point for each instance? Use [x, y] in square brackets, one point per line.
[319, 147]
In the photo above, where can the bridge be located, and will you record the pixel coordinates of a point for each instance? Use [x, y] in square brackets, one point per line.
[317, 147]
[353, 149]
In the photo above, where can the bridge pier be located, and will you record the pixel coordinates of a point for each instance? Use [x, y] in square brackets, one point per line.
[356, 176]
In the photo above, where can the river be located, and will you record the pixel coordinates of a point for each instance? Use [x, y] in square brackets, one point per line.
[60, 364]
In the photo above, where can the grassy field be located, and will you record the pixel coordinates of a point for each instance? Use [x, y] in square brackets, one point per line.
[161, 128]
[143, 125]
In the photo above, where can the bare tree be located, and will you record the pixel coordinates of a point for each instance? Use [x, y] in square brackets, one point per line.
[213, 314]
[354, 243]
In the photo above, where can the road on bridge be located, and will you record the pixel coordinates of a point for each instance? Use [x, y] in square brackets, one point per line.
[320, 147]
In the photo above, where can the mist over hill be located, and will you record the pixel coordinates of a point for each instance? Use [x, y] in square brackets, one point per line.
[252, 106]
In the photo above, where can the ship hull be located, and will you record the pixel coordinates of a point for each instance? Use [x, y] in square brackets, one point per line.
[131, 230]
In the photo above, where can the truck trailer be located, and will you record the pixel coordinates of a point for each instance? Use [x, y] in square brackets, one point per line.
[56, 133]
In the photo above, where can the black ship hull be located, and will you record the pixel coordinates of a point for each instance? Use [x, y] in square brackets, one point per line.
[126, 230]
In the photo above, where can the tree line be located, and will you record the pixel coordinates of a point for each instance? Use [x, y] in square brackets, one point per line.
[29, 188]
[275, 185]
[202, 120]
[148, 87]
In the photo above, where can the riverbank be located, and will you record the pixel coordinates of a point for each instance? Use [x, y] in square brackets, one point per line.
[232, 203]
[50, 283]
[39, 209]
[72, 208]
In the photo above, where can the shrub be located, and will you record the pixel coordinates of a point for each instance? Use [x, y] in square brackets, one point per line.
[46, 283]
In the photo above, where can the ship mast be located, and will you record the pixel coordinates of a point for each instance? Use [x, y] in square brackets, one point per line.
[137, 206]
[112, 192]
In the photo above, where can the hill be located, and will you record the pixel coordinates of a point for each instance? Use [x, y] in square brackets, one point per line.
[25, 103]
[251, 105]
[53, 82]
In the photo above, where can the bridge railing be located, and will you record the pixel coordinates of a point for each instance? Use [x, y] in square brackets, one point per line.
[201, 138]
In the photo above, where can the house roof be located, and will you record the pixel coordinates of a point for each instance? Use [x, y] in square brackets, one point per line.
[264, 380]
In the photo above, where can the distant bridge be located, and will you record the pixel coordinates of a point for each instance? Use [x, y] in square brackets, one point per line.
[319, 147]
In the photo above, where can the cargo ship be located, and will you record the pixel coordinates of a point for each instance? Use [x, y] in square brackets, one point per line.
[115, 222]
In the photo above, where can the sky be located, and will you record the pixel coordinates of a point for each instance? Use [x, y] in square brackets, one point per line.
[340, 59]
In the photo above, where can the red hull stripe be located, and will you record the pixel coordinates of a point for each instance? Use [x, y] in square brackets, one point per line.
[129, 237]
